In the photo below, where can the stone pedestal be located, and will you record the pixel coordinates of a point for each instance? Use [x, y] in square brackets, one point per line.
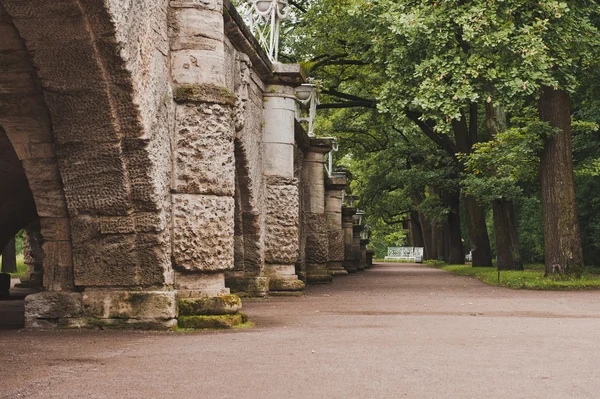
[333, 211]
[315, 222]
[363, 253]
[282, 195]
[358, 264]
[347, 225]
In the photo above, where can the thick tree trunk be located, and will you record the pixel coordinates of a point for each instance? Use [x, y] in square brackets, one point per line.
[9, 258]
[415, 230]
[481, 250]
[562, 243]
[505, 217]
[505, 229]
[456, 253]
[436, 249]
[475, 214]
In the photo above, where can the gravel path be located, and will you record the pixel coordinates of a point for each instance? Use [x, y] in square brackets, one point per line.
[396, 330]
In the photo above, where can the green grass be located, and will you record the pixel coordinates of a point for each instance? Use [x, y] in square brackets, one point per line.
[21, 266]
[531, 278]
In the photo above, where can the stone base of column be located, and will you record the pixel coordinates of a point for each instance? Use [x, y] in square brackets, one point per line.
[370, 254]
[4, 285]
[336, 269]
[359, 266]
[247, 286]
[210, 312]
[317, 273]
[283, 278]
[349, 266]
[30, 280]
[101, 308]
[204, 301]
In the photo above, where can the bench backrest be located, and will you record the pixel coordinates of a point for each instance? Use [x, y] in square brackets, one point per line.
[405, 252]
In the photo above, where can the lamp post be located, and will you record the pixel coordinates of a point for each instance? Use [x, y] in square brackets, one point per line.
[309, 99]
[264, 19]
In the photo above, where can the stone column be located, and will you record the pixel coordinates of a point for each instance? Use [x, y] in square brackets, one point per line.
[315, 223]
[33, 256]
[333, 212]
[370, 254]
[348, 224]
[356, 230]
[203, 166]
[363, 253]
[282, 197]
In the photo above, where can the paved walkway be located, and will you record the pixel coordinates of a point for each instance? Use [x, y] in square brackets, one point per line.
[396, 330]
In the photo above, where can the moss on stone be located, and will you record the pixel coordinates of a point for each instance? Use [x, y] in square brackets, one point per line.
[206, 306]
[204, 93]
[210, 322]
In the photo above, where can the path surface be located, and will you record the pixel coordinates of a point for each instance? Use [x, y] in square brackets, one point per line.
[396, 330]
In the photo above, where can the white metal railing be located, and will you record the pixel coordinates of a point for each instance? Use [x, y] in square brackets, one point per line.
[264, 20]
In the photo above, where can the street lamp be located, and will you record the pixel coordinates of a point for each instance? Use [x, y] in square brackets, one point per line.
[264, 19]
[309, 99]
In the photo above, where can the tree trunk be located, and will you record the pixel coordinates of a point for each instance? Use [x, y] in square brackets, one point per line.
[9, 258]
[505, 229]
[415, 230]
[456, 252]
[562, 242]
[426, 230]
[505, 217]
[435, 241]
[475, 214]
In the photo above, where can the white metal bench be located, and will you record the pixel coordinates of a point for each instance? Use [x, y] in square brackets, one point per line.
[414, 254]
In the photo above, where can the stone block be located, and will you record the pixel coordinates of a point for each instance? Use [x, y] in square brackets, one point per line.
[53, 305]
[58, 265]
[204, 153]
[46, 186]
[220, 305]
[336, 245]
[200, 66]
[108, 304]
[211, 322]
[189, 28]
[317, 242]
[198, 284]
[285, 285]
[206, 4]
[248, 286]
[97, 182]
[55, 229]
[203, 232]
[281, 224]
[117, 225]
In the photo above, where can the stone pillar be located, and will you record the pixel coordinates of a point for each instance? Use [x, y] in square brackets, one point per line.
[363, 253]
[333, 212]
[9, 257]
[370, 254]
[348, 224]
[315, 223]
[282, 196]
[33, 256]
[203, 165]
[356, 230]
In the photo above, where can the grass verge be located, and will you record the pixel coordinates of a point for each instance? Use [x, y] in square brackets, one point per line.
[532, 278]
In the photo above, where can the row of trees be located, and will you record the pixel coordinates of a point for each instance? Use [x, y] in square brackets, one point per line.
[450, 106]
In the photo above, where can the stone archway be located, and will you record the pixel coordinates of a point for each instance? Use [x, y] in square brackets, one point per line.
[94, 143]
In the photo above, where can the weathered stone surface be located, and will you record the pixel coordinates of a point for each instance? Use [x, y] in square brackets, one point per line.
[285, 285]
[248, 286]
[53, 305]
[336, 245]
[317, 244]
[58, 265]
[203, 232]
[204, 160]
[220, 305]
[109, 304]
[198, 284]
[281, 231]
[202, 322]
